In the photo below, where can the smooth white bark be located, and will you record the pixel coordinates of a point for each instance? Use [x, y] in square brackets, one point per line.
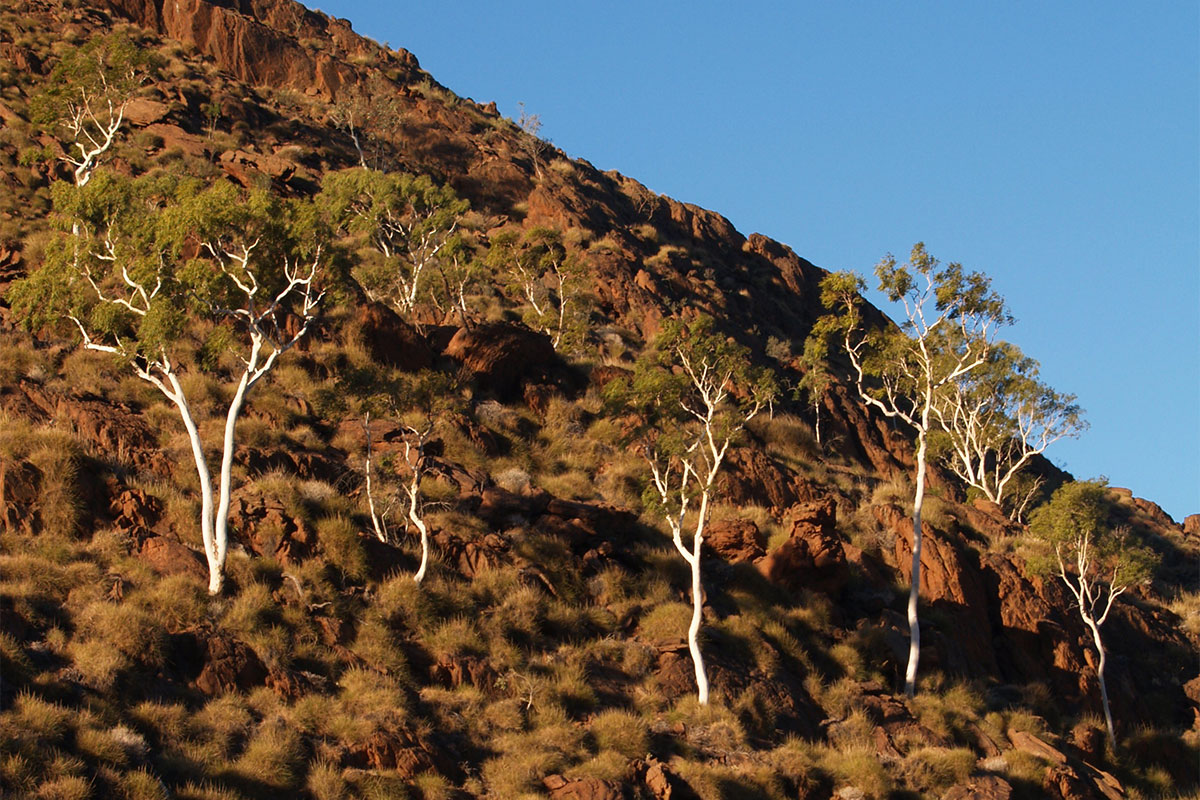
[682, 477]
[1091, 593]
[910, 385]
[160, 371]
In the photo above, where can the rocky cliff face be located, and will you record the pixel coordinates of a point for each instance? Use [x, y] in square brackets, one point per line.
[818, 535]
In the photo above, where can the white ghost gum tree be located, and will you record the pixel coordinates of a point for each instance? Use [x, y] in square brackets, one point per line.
[415, 402]
[695, 390]
[951, 321]
[85, 96]
[405, 224]
[545, 276]
[151, 266]
[1095, 560]
[371, 114]
[996, 418]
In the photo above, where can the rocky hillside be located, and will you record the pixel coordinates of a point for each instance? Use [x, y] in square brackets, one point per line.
[544, 655]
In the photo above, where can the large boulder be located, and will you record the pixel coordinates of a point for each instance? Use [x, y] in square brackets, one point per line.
[392, 341]
[168, 557]
[561, 788]
[229, 665]
[735, 540]
[812, 557]
[502, 359]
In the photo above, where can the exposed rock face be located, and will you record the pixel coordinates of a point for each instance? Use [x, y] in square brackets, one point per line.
[392, 341]
[750, 477]
[503, 358]
[229, 665]
[266, 526]
[950, 582]
[735, 540]
[259, 41]
[813, 556]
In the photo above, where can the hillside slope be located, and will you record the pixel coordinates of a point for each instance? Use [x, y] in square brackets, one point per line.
[545, 653]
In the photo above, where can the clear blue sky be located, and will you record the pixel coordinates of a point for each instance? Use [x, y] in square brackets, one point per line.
[1054, 146]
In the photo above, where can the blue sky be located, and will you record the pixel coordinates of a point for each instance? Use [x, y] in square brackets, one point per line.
[1054, 146]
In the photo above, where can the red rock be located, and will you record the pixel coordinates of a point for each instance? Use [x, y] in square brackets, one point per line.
[229, 665]
[735, 540]
[142, 111]
[457, 671]
[134, 511]
[390, 340]
[266, 526]
[395, 750]
[503, 358]
[1028, 743]
[24, 59]
[19, 482]
[1062, 782]
[950, 582]
[169, 557]
[660, 781]
[175, 137]
[581, 788]
[752, 478]
[1089, 739]
[984, 787]
[813, 556]
[241, 166]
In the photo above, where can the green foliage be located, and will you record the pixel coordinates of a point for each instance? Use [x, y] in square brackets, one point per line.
[105, 69]
[951, 320]
[690, 366]
[1073, 537]
[138, 256]
[545, 277]
[404, 226]
[995, 418]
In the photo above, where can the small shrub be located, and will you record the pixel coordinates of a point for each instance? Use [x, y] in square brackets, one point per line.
[514, 480]
[99, 663]
[667, 622]
[177, 602]
[858, 767]
[454, 638]
[273, 756]
[620, 731]
[70, 787]
[224, 721]
[935, 769]
[376, 644]
[57, 457]
[325, 782]
[520, 772]
[140, 784]
[342, 545]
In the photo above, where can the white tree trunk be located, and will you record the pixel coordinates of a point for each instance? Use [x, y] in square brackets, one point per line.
[221, 522]
[415, 516]
[698, 605]
[914, 624]
[214, 554]
[1095, 628]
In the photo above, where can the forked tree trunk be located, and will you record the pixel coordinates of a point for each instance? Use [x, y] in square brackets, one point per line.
[214, 547]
